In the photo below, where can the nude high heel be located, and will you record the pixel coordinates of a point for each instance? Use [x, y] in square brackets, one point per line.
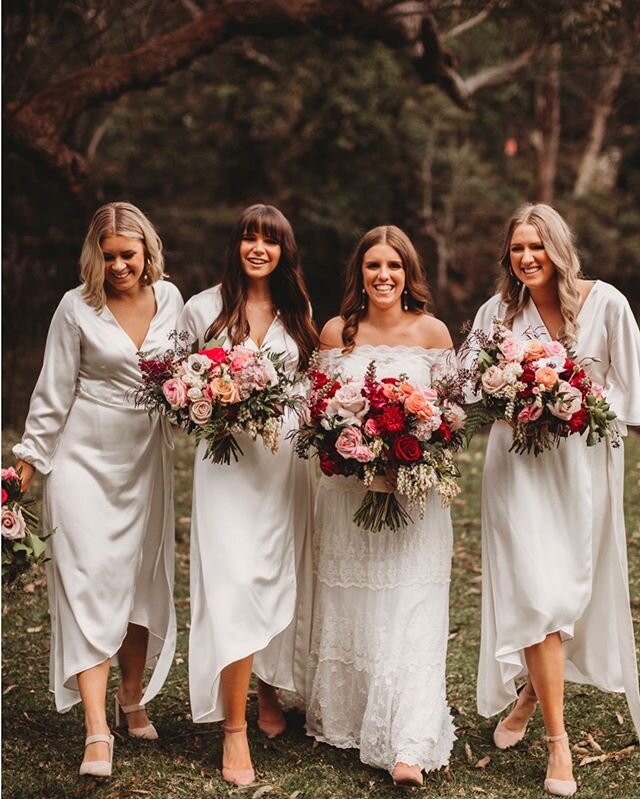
[559, 787]
[147, 733]
[402, 774]
[237, 776]
[97, 768]
[505, 738]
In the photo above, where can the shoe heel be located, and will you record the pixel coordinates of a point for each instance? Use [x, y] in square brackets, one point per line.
[118, 717]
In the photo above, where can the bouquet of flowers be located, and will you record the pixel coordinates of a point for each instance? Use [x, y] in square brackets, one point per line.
[395, 436]
[21, 547]
[215, 393]
[539, 388]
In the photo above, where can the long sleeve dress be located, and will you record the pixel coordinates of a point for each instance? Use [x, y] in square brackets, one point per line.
[108, 492]
[248, 527]
[554, 550]
[376, 671]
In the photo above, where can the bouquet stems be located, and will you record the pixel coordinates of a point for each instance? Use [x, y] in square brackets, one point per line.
[381, 509]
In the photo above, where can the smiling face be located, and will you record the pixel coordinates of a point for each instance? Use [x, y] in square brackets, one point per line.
[383, 276]
[259, 255]
[123, 263]
[530, 262]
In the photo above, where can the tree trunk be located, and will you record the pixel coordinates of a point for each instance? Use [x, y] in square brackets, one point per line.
[547, 135]
[601, 111]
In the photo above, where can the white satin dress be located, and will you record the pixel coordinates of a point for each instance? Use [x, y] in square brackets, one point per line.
[376, 672]
[554, 553]
[108, 492]
[248, 531]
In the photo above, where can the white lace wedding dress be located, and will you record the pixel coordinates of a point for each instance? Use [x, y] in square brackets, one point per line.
[376, 670]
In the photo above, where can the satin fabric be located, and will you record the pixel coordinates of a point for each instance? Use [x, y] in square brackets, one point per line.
[376, 672]
[553, 537]
[248, 542]
[108, 492]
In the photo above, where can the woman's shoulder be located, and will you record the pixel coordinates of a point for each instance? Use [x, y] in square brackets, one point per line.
[613, 297]
[208, 299]
[168, 289]
[331, 333]
[432, 333]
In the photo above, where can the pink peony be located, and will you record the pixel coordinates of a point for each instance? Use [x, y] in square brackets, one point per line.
[13, 525]
[175, 392]
[349, 440]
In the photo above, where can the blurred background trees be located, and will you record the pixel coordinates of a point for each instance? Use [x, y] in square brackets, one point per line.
[440, 117]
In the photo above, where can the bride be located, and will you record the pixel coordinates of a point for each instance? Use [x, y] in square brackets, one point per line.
[376, 673]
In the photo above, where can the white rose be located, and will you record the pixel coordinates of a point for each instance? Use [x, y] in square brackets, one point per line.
[349, 404]
[512, 372]
[194, 393]
[13, 524]
[493, 380]
[567, 402]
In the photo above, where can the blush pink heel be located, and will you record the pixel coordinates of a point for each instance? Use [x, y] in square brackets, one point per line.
[402, 774]
[559, 787]
[505, 738]
[97, 768]
[238, 776]
[272, 728]
[146, 733]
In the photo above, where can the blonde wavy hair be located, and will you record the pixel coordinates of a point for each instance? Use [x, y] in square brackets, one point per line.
[558, 241]
[117, 219]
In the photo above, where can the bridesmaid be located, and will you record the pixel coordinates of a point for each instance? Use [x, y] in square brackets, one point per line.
[376, 675]
[560, 609]
[244, 518]
[107, 480]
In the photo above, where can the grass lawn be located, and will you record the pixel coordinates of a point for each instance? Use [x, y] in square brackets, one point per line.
[42, 749]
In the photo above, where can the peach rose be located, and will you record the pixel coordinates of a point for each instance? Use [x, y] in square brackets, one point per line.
[224, 390]
[493, 380]
[546, 376]
[418, 404]
[533, 350]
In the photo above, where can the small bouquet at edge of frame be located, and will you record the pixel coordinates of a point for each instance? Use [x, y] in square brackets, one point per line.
[397, 437]
[21, 547]
[539, 388]
[215, 394]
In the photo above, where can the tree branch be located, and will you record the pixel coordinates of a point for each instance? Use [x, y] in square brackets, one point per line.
[471, 22]
[500, 73]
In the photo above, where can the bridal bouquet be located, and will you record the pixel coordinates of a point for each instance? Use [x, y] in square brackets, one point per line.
[539, 388]
[215, 393]
[21, 547]
[395, 436]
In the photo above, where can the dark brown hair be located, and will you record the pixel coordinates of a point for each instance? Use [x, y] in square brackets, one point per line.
[418, 297]
[289, 294]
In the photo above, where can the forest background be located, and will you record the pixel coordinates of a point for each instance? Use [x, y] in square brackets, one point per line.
[439, 117]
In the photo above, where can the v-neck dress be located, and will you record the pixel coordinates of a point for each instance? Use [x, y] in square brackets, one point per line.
[108, 492]
[554, 549]
[248, 531]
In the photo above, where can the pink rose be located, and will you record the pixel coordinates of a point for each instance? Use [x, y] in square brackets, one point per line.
[348, 442]
[554, 349]
[533, 350]
[512, 349]
[530, 413]
[363, 454]
[546, 376]
[371, 428]
[239, 357]
[10, 474]
[493, 380]
[175, 392]
[349, 404]
[568, 401]
[222, 389]
[200, 411]
[13, 525]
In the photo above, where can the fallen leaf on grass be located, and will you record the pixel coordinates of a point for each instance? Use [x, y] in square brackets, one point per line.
[594, 744]
[483, 762]
[619, 718]
[468, 753]
[262, 791]
[8, 689]
[29, 588]
[607, 756]
[34, 629]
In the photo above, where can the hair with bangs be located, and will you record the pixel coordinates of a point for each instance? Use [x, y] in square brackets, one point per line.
[117, 219]
[418, 297]
[558, 241]
[289, 293]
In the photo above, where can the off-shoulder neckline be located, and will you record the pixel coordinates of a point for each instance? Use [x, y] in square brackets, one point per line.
[391, 348]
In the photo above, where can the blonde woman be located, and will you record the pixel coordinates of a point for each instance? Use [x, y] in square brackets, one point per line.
[555, 603]
[107, 480]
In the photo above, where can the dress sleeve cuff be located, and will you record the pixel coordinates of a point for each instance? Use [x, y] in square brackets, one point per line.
[23, 453]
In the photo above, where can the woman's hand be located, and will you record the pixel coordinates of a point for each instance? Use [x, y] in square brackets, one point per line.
[26, 471]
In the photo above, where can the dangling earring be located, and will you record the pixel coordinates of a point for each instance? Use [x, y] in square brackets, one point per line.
[405, 300]
[513, 275]
[363, 303]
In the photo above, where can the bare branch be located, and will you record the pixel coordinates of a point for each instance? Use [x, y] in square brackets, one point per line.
[500, 73]
[471, 22]
[193, 8]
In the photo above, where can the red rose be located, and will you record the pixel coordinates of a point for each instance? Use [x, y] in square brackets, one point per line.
[579, 421]
[217, 355]
[445, 432]
[5, 495]
[528, 375]
[407, 449]
[392, 419]
[327, 466]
